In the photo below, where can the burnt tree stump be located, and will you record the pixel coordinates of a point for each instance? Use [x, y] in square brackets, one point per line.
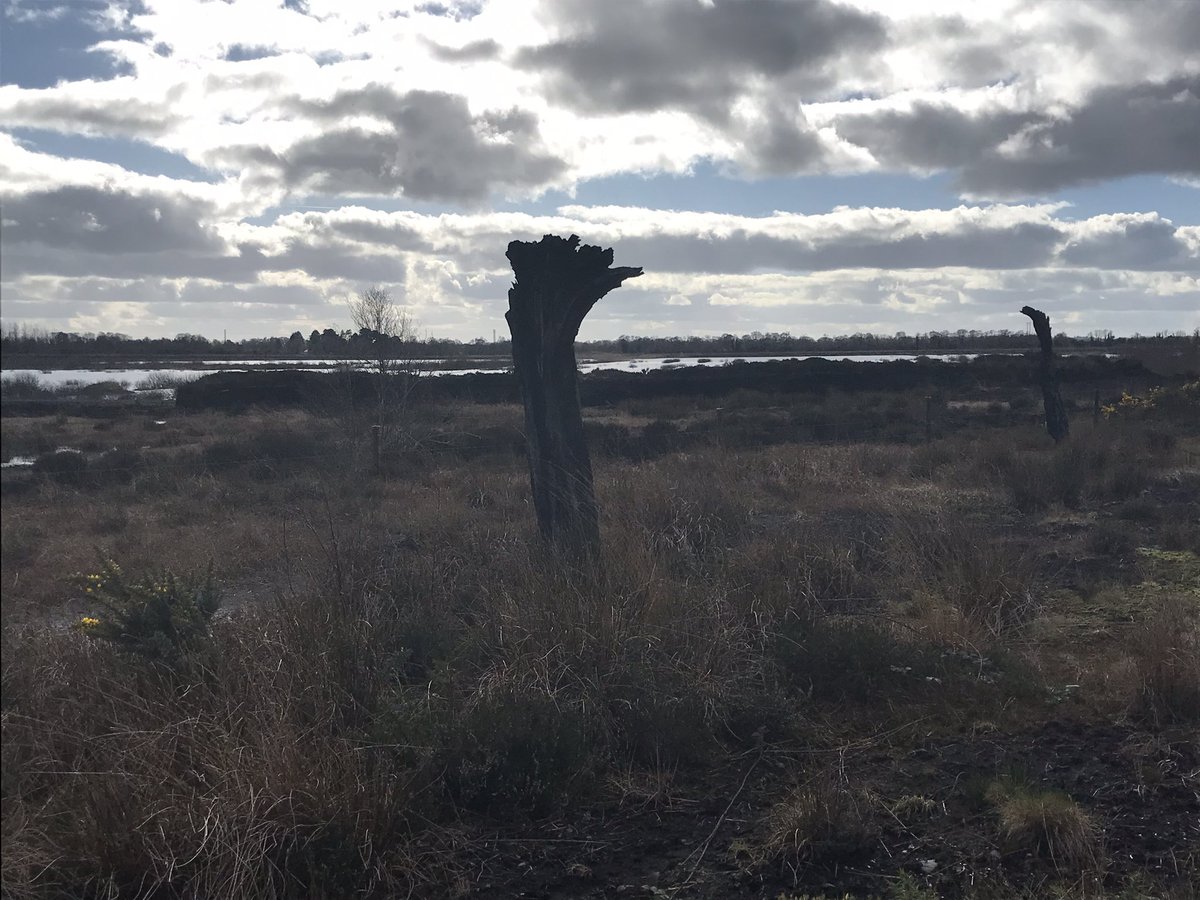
[1056, 412]
[558, 281]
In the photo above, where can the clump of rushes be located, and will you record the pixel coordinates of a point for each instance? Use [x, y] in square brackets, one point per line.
[158, 617]
[820, 821]
[1047, 823]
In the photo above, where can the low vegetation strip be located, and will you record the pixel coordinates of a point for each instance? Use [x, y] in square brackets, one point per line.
[239, 390]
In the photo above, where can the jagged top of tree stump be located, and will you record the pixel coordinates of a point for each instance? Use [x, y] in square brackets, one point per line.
[559, 280]
[1041, 325]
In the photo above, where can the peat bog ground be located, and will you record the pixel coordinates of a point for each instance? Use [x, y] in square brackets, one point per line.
[843, 639]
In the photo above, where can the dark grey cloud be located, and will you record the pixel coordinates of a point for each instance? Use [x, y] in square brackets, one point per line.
[1169, 28]
[108, 221]
[433, 148]
[81, 232]
[401, 237]
[1150, 244]
[930, 135]
[780, 141]
[628, 56]
[74, 114]
[1116, 132]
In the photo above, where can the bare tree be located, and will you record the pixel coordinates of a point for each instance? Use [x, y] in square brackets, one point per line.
[385, 335]
[383, 327]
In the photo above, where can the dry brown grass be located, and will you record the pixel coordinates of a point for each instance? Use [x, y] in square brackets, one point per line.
[399, 654]
[1048, 823]
[822, 818]
[1166, 655]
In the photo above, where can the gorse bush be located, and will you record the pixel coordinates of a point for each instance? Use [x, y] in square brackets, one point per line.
[158, 617]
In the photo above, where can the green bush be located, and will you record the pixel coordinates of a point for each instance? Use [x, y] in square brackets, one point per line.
[159, 617]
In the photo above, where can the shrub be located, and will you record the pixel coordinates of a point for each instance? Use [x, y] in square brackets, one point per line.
[68, 467]
[263, 449]
[516, 749]
[221, 456]
[22, 386]
[1111, 539]
[836, 661]
[160, 381]
[159, 618]
[1140, 509]
[119, 464]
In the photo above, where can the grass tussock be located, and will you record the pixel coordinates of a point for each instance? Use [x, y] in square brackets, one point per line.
[821, 819]
[1047, 823]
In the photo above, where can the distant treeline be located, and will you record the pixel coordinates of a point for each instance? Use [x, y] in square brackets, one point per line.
[329, 344]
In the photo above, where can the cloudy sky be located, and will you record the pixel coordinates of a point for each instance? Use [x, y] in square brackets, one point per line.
[810, 166]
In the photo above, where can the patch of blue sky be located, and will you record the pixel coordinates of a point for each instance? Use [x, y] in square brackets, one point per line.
[1138, 193]
[707, 189]
[245, 52]
[45, 43]
[136, 156]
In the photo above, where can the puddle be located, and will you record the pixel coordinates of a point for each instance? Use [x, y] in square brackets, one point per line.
[25, 462]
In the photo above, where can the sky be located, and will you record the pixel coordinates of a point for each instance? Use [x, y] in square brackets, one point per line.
[245, 167]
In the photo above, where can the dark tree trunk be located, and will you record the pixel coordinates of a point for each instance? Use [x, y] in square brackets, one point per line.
[557, 284]
[1056, 411]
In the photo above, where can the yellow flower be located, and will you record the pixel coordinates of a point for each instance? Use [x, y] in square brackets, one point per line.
[89, 622]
